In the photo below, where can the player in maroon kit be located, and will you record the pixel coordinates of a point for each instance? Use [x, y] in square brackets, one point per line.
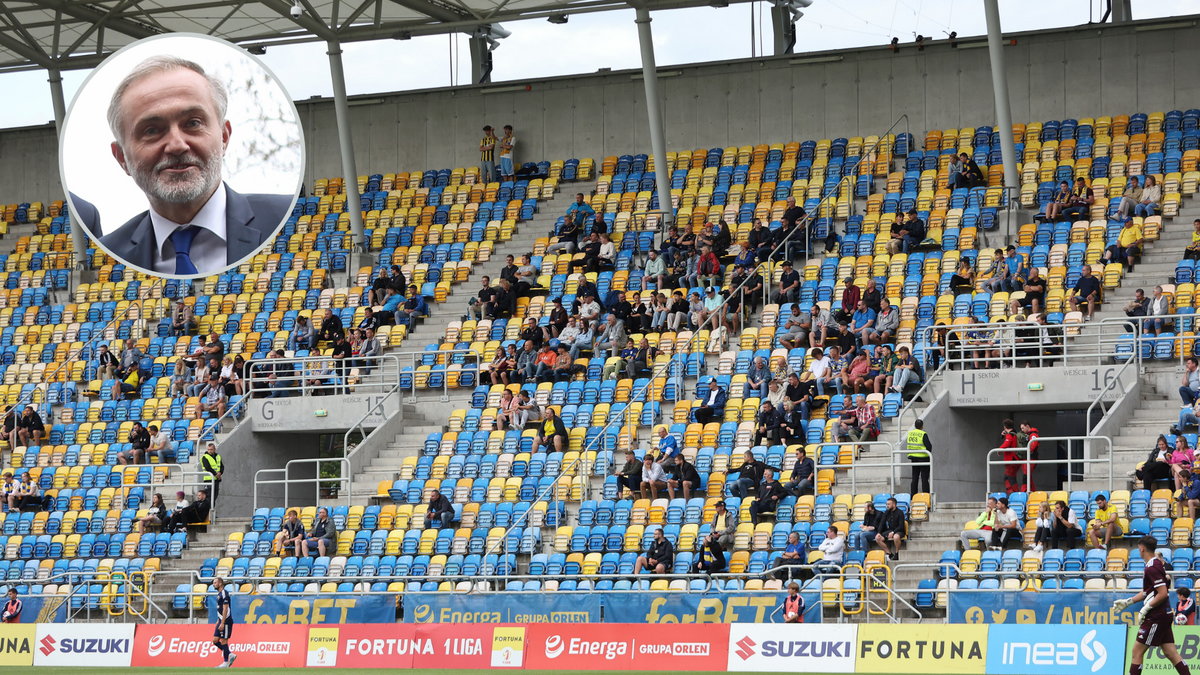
[1155, 617]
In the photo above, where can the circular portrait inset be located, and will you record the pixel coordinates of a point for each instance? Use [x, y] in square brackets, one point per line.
[182, 155]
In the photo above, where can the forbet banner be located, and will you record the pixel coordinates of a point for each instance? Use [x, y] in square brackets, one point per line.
[789, 648]
[83, 644]
[1187, 641]
[1056, 650]
[920, 648]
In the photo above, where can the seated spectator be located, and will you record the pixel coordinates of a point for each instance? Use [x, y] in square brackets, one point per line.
[1080, 204]
[1189, 390]
[26, 496]
[981, 527]
[654, 477]
[584, 341]
[911, 233]
[872, 296]
[862, 324]
[553, 434]
[139, 441]
[905, 372]
[797, 329]
[331, 328]
[793, 556]
[654, 271]
[866, 421]
[503, 302]
[156, 514]
[1066, 528]
[160, 446]
[301, 336]
[1104, 524]
[891, 528]
[8, 432]
[1151, 201]
[194, 513]
[127, 383]
[369, 352]
[1060, 200]
[883, 367]
[658, 558]
[872, 519]
[1086, 290]
[1158, 306]
[1189, 496]
[527, 410]
[1188, 416]
[565, 369]
[505, 411]
[526, 277]
[799, 392]
[1044, 526]
[440, 513]
[684, 477]
[833, 552]
[289, 536]
[629, 476]
[803, 475]
[414, 308]
[543, 367]
[1192, 252]
[770, 493]
[886, 323]
[1128, 246]
[750, 475]
[1006, 525]
[379, 287]
[1181, 462]
[639, 363]
[611, 338]
[1034, 287]
[482, 297]
[668, 445]
[767, 430]
[971, 175]
[107, 363]
[712, 406]
[1157, 465]
[757, 378]
[788, 289]
[212, 398]
[1130, 197]
[323, 535]
[720, 536]
[497, 370]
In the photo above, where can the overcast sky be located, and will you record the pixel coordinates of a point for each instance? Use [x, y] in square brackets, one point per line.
[609, 40]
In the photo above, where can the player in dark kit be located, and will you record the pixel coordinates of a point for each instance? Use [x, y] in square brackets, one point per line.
[1155, 618]
[224, 628]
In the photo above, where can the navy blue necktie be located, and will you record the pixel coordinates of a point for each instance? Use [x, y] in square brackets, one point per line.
[182, 240]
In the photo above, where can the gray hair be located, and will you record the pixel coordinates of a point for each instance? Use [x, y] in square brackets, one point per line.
[153, 66]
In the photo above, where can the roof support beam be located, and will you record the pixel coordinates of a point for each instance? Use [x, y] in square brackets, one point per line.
[79, 240]
[86, 13]
[658, 140]
[1008, 150]
[341, 109]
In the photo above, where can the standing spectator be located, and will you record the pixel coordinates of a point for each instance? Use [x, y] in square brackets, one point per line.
[139, 441]
[440, 513]
[1008, 443]
[487, 156]
[981, 527]
[1086, 290]
[30, 427]
[323, 535]
[658, 557]
[629, 477]
[770, 493]
[833, 550]
[213, 466]
[654, 477]
[803, 474]
[107, 363]
[507, 143]
[793, 556]
[1005, 526]
[918, 448]
[891, 529]
[1066, 527]
[1104, 523]
[1151, 202]
[793, 604]
[712, 406]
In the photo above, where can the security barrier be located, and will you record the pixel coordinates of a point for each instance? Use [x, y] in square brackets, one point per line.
[996, 649]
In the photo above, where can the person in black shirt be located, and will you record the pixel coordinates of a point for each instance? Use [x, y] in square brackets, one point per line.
[1086, 290]
[871, 296]
[760, 240]
[972, 175]
[658, 558]
[379, 287]
[503, 302]
[770, 493]
[891, 529]
[684, 475]
[912, 233]
[440, 513]
[622, 309]
[341, 358]
[30, 427]
[802, 475]
[476, 304]
[331, 328]
[290, 534]
[792, 214]
[767, 427]
[509, 271]
[107, 362]
[750, 474]
[789, 285]
[399, 283]
[139, 440]
[557, 320]
[196, 512]
[369, 320]
[9, 432]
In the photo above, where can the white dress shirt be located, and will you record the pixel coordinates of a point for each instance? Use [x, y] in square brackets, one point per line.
[208, 248]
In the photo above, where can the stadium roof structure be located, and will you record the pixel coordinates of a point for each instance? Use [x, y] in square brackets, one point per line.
[68, 34]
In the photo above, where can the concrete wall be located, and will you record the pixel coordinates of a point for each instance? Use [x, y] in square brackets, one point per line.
[1079, 72]
[246, 452]
[1060, 387]
[961, 439]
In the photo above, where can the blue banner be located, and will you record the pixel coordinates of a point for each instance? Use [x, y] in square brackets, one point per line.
[43, 610]
[502, 608]
[1065, 607]
[309, 609]
[614, 607]
[1064, 650]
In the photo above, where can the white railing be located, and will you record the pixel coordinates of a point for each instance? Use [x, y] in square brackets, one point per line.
[1086, 456]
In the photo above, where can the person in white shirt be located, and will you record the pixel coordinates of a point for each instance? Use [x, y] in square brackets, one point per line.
[654, 270]
[1005, 525]
[608, 253]
[820, 369]
[833, 549]
[654, 477]
[160, 446]
[588, 308]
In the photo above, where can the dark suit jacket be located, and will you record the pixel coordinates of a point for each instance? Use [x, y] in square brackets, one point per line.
[88, 216]
[718, 403]
[250, 220]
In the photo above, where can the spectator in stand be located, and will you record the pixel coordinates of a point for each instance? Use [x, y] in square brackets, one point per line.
[654, 271]
[1044, 527]
[851, 294]
[863, 324]
[629, 477]
[584, 340]
[1080, 205]
[659, 556]
[139, 442]
[127, 382]
[886, 323]
[757, 379]
[712, 406]
[638, 365]
[1035, 293]
[497, 370]
[507, 143]
[1008, 443]
[107, 363]
[1189, 497]
[323, 536]
[767, 427]
[912, 233]
[981, 527]
[155, 515]
[822, 369]
[481, 298]
[1189, 389]
[543, 368]
[568, 236]
[750, 475]
[683, 476]
[1006, 525]
[867, 421]
[1086, 290]
[369, 350]
[301, 336]
[1060, 200]
[1157, 465]
[668, 445]
[803, 475]
[414, 308]
[526, 369]
[833, 552]
[793, 556]
[678, 312]
[855, 376]
[504, 411]
[799, 393]
[1137, 307]
[871, 521]
[721, 533]
[872, 296]
[884, 367]
[487, 156]
[212, 398]
[30, 428]
[1182, 459]
[8, 433]
[160, 446]
[379, 287]
[1159, 306]
[789, 285]
[963, 279]
[553, 434]
[792, 422]
[391, 307]
[891, 529]
[440, 513]
[183, 319]
[612, 338]
[998, 274]
[290, 535]
[1130, 198]
[331, 328]
[1188, 416]
[525, 279]
[972, 175]
[797, 327]
[503, 302]
[580, 209]
[1192, 252]
[905, 371]
[588, 308]
[1066, 527]
[1103, 524]
[1151, 202]
[654, 477]
[193, 513]
[1128, 246]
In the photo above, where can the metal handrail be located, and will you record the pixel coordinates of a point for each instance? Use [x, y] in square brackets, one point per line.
[891, 463]
[1028, 462]
[1137, 326]
[314, 367]
[343, 480]
[664, 368]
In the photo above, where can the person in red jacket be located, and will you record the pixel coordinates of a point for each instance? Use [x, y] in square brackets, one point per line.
[1029, 438]
[1008, 443]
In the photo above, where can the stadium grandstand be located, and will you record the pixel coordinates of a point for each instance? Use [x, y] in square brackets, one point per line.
[921, 343]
